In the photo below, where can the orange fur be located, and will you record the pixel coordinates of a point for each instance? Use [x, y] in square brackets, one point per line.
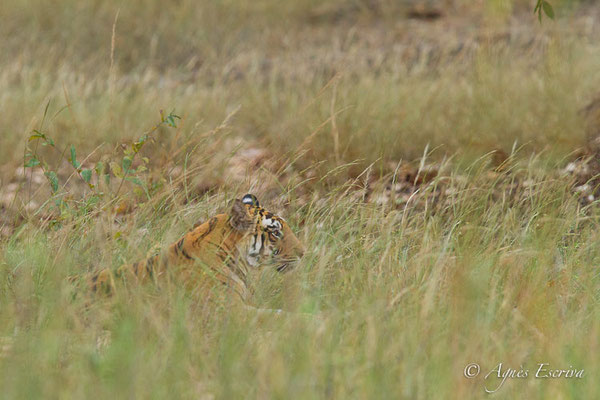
[221, 251]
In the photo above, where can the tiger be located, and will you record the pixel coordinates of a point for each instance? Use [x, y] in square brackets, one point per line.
[221, 251]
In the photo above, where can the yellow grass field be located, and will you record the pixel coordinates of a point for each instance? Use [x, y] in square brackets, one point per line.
[439, 159]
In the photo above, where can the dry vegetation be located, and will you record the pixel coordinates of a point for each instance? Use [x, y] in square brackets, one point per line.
[437, 158]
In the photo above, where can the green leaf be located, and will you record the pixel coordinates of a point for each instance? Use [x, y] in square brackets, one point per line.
[171, 120]
[136, 147]
[32, 162]
[53, 179]
[39, 135]
[548, 9]
[86, 174]
[73, 160]
[143, 139]
[127, 163]
[134, 180]
[99, 168]
[116, 169]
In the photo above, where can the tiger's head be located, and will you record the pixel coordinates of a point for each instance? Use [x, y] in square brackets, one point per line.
[268, 239]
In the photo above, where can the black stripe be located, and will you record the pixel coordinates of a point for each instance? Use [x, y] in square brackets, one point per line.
[211, 226]
[149, 265]
[180, 243]
[186, 255]
[181, 249]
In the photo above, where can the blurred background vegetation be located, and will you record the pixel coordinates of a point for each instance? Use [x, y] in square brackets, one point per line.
[465, 76]
[368, 124]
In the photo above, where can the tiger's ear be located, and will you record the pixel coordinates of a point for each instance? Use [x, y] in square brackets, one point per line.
[240, 219]
[250, 199]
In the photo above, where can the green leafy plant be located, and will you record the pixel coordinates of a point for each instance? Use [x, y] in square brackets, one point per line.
[546, 7]
[121, 169]
[124, 170]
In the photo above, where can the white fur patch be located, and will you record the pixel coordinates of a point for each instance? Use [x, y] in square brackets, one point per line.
[271, 223]
[254, 249]
[255, 245]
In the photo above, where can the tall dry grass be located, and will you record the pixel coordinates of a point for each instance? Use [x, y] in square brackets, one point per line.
[324, 99]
